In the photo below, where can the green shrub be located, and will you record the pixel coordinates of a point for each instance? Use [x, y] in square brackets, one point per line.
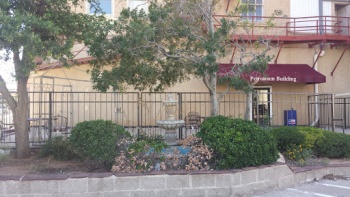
[297, 144]
[311, 134]
[237, 143]
[98, 140]
[333, 145]
[287, 137]
[59, 149]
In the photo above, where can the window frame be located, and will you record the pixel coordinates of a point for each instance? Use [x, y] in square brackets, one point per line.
[253, 14]
[88, 11]
[268, 102]
[145, 2]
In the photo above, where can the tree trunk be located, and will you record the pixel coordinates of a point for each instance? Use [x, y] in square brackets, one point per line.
[212, 81]
[213, 95]
[248, 106]
[20, 110]
[20, 115]
[214, 104]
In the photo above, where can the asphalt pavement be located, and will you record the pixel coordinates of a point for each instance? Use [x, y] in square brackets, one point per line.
[322, 188]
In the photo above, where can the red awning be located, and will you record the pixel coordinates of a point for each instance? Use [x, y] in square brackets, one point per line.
[302, 73]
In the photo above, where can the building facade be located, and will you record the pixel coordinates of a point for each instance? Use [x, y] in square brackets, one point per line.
[312, 56]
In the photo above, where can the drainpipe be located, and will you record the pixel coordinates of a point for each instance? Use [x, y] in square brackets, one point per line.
[320, 11]
[320, 14]
[316, 90]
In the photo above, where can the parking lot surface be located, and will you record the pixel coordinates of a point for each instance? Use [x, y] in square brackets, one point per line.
[322, 188]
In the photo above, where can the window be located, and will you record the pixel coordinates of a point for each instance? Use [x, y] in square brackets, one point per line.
[105, 5]
[255, 9]
[138, 4]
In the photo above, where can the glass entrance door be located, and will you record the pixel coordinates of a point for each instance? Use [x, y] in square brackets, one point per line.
[261, 106]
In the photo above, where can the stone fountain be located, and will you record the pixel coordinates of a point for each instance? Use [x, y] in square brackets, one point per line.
[170, 124]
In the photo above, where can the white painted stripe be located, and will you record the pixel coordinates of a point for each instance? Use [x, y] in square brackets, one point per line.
[312, 193]
[330, 185]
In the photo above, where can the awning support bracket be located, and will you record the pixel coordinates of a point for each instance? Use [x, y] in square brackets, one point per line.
[228, 3]
[319, 53]
[233, 54]
[339, 60]
[278, 54]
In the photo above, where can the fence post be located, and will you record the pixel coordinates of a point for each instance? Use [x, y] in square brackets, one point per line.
[344, 117]
[332, 112]
[180, 113]
[50, 114]
[309, 106]
[139, 115]
[257, 107]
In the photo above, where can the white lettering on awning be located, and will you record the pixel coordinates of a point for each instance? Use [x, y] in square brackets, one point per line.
[272, 79]
[287, 79]
[262, 78]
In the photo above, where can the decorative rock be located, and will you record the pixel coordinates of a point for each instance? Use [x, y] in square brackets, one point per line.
[281, 158]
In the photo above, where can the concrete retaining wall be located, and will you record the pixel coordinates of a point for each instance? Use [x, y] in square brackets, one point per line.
[244, 182]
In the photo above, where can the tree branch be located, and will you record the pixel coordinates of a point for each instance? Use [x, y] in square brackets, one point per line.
[162, 49]
[222, 94]
[206, 81]
[6, 94]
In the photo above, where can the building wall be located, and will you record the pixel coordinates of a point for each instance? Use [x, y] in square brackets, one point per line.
[339, 82]
[269, 6]
[344, 11]
[76, 78]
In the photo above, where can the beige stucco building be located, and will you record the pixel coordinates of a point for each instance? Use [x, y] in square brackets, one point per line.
[306, 35]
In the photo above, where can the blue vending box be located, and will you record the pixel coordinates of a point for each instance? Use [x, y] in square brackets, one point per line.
[290, 117]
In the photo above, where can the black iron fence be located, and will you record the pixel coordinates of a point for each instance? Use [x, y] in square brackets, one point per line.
[56, 113]
[334, 111]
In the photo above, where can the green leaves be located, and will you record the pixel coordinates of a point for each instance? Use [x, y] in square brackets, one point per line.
[97, 140]
[46, 29]
[160, 48]
[333, 145]
[42, 29]
[237, 143]
[287, 136]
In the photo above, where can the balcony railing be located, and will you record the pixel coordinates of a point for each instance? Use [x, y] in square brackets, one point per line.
[302, 29]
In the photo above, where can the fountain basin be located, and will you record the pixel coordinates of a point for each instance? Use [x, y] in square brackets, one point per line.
[170, 127]
[170, 124]
[169, 103]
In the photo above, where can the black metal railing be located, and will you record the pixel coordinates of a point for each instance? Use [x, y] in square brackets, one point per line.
[56, 113]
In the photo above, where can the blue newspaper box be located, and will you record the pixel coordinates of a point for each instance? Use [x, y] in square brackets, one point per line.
[290, 117]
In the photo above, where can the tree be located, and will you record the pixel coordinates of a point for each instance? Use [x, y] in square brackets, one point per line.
[32, 29]
[256, 63]
[172, 42]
